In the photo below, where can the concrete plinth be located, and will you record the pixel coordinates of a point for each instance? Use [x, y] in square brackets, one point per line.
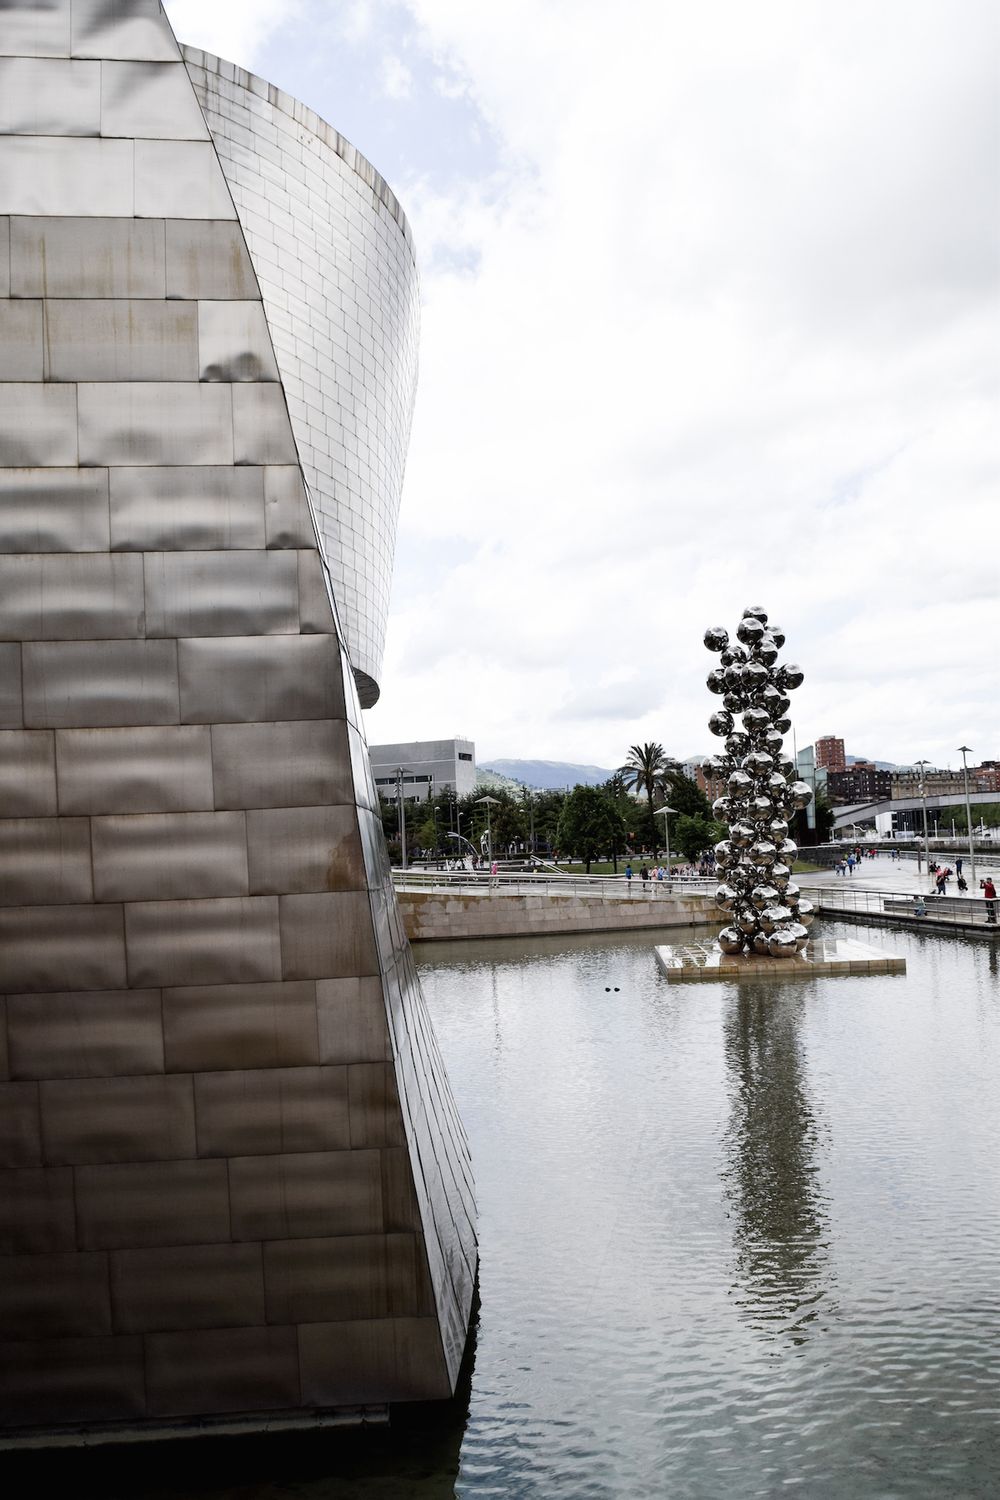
[683, 962]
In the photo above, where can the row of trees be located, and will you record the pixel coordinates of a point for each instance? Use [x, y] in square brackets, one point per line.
[587, 823]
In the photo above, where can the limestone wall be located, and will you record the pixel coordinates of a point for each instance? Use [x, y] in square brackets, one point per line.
[430, 916]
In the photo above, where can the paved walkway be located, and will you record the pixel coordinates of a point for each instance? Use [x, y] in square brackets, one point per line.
[885, 874]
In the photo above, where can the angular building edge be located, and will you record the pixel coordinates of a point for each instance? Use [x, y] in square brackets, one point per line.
[236, 1190]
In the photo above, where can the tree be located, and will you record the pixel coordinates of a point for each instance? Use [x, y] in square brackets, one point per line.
[644, 771]
[589, 824]
[684, 796]
[693, 834]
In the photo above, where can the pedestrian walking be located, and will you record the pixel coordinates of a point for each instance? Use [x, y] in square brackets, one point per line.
[958, 867]
[989, 891]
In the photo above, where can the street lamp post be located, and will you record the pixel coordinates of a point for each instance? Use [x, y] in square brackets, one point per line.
[968, 816]
[400, 773]
[490, 802]
[923, 798]
[664, 813]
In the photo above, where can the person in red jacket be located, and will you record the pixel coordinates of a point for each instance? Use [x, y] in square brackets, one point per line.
[990, 896]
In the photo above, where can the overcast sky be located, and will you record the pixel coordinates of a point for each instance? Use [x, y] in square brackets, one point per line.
[710, 318]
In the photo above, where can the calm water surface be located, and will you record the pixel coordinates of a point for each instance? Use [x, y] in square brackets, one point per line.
[735, 1240]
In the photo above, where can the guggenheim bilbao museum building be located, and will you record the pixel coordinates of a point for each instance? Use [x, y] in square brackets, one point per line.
[234, 1186]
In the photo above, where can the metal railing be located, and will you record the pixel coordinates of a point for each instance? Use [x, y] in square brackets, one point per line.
[523, 883]
[902, 907]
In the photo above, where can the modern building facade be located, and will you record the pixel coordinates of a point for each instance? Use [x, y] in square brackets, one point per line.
[830, 753]
[860, 782]
[428, 767]
[234, 1187]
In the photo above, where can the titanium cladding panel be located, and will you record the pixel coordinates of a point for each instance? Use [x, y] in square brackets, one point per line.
[233, 1182]
[335, 263]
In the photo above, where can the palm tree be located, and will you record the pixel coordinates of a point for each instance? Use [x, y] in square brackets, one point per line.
[645, 771]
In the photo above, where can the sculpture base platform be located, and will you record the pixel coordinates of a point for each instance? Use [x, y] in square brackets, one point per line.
[684, 962]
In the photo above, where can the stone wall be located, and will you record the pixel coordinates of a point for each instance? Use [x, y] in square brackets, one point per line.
[431, 916]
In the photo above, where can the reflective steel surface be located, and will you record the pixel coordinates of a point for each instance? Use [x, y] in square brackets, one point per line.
[338, 277]
[232, 1177]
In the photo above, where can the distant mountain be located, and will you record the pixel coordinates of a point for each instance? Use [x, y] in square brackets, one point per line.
[549, 775]
[495, 781]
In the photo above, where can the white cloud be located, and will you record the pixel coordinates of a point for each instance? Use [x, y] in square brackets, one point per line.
[397, 80]
[234, 29]
[724, 331]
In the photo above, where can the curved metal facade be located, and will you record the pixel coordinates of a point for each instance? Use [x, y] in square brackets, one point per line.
[233, 1182]
[336, 269]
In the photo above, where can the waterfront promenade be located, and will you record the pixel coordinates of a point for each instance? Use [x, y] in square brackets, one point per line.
[442, 905]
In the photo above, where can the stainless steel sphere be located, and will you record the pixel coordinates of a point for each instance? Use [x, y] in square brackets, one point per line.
[731, 940]
[764, 895]
[742, 834]
[788, 849]
[778, 829]
[790, 676]
[763, 852]
[801, 793]
[783, 725]
[767, 651]
[723, 808]
[716, 638]
[755, 612]
[756, 719]
[737, 743]
[725, 855]
[749, 630]
[799, 933]
[760, 808]
[754, 675]
[760, 944]
[773, 742]
[734, 676]
[733, 700]
[779, 875]
[733, 652]
[805, 911]
[777, 634]
[770, 919]
[716, 680]
[778, 706]
[745, 918]
[739, 783]
[781, 944]
[791, 894]
[725, 897]
[721, 723]
[758, 762]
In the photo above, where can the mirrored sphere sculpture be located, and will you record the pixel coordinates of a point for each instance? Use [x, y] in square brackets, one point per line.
[767, 916]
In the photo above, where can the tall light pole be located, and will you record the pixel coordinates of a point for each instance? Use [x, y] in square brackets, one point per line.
[664, 813]
[400, 773]
[968, 815]
[490, 802]
[923, 799]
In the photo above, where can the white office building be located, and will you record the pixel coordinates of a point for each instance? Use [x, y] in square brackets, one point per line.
[428, 767]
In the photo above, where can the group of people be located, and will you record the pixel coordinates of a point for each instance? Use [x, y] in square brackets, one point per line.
[942, 874]
[649, 873]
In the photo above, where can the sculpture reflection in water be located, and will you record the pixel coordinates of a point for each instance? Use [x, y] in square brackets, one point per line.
[772, 1173]
[766, 912]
